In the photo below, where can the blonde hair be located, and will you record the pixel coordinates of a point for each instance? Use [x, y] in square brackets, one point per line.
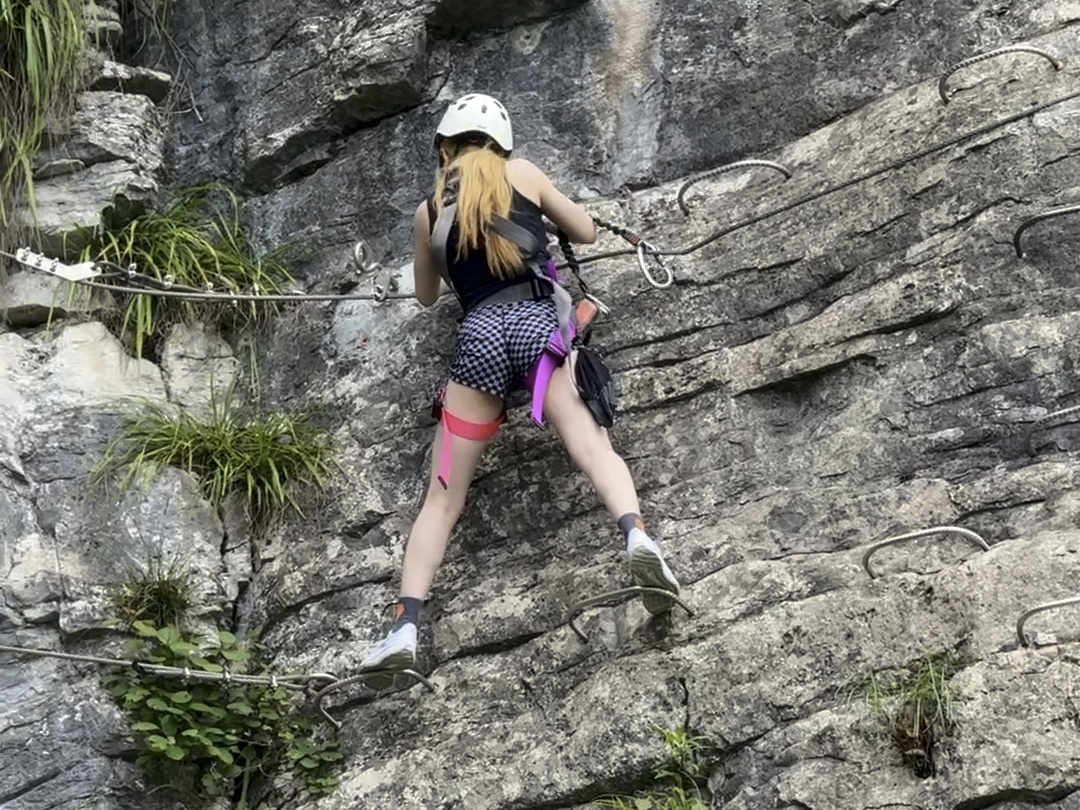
[476, 176]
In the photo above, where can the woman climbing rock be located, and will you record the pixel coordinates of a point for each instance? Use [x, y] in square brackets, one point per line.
[483, 232]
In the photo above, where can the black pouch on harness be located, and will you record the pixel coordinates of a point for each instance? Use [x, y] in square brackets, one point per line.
[595, 384]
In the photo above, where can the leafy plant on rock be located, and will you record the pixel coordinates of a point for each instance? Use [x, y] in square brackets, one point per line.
[916, 706]
[198, 241]
[678, 778]
[220, 732]
[259, 456]
[41, 61]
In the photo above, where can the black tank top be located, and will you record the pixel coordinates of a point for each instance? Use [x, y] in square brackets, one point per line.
[470, 275]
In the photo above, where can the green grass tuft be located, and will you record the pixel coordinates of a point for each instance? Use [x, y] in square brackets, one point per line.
[41, 64]
[916, 706]
[198, 240]
[160, 593]
[677, 778]
[260, 456]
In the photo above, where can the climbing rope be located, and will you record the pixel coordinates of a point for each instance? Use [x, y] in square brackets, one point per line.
[644, 250]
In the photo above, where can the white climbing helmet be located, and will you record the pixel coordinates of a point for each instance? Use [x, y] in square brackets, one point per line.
[478, 113]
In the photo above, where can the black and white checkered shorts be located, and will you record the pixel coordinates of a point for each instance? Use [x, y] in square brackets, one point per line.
[498, 344]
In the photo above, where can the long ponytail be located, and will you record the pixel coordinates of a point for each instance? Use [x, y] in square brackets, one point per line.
[475, 177]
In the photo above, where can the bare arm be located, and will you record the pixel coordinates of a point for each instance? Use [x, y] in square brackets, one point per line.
[426, 280]
[569, 216]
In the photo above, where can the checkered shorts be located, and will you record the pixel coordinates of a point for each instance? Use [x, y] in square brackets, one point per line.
[498, 344]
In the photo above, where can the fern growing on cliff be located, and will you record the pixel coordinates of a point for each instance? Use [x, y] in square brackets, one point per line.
[41, 57]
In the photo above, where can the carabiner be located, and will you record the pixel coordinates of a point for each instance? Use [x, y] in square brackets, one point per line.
[644, 248]
[362, 257]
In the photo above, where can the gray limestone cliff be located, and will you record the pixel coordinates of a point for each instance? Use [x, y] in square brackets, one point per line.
[846, 355]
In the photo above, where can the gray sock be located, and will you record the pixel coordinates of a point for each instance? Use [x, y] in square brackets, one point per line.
[631, 520]
[407, 611]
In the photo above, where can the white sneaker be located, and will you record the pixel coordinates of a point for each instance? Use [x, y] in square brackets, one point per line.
[649, 570]
[396, 651]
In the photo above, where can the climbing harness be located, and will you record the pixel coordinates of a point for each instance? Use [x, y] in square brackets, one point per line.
[942, 85]
[462, 428]
[615, 598]
[316, 686]
[953, 531]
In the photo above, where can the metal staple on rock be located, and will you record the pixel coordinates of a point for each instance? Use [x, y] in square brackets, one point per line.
[1073, 600]
[946, 530]
[612, 598]
[943, 91]
[1027, 223]
[1040, 423]
[739, 164]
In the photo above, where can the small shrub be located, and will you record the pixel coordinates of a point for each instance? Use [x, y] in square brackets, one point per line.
[160, 593]
[197, 240]
[220, 732]
[916, 706]
[260, 456]
[678, 777]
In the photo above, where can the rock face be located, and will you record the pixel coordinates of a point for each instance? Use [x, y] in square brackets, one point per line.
[848, 355]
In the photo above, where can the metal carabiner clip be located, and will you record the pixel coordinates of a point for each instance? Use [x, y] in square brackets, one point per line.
[362, 258]
[644, 248]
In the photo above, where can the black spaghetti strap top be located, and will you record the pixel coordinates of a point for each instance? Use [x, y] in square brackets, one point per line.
[470, 274]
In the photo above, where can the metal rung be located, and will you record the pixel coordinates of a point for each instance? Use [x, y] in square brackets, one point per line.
[1074, 600]
[943, 90]
[768, 164]
[363, 678]
[1041, 424]
[1027, 223]
[613, 598]
[888, 541]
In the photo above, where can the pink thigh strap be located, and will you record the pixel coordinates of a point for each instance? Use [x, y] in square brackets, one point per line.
[464, 429]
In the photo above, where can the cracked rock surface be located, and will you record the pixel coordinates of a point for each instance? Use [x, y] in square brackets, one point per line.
[851, 354]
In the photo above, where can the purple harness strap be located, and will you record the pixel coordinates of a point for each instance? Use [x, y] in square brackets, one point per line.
[540, 374]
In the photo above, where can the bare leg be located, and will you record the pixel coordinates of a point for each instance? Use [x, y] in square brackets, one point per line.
[442, 507]
[590, 448]
[589, 445]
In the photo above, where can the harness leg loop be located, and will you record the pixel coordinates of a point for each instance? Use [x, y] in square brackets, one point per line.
[463, 429]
